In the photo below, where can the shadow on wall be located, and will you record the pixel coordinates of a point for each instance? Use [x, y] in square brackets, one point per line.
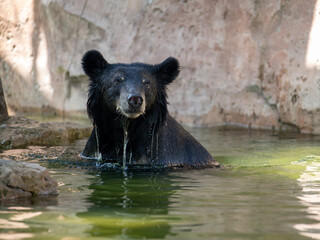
[3, 107]
[35, 63]
[20, 32]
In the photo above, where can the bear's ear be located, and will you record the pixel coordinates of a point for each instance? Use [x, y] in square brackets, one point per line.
[93, 63]
[168, 70]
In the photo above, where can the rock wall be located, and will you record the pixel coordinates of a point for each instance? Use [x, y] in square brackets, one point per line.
[251, 63]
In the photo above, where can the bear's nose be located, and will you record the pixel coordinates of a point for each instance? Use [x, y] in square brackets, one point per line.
[135, 100]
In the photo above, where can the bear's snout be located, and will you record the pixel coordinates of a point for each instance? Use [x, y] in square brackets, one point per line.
[132, 104]
[135, 100]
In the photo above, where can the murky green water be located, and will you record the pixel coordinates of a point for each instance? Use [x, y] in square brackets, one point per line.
[270, 189]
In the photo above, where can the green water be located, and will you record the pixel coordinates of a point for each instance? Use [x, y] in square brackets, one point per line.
[270, 189]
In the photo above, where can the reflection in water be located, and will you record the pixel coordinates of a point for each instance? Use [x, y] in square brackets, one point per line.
[246, 203]
[15, 213]
[132, 205]
[310, 183]
[16, 236]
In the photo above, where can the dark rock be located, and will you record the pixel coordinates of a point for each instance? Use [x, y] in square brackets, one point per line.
[3, 107]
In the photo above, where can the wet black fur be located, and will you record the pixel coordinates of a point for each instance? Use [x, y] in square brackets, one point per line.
[155, 138]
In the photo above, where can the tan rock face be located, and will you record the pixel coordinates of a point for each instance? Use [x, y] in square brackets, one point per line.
[252, 63]
[21, 179]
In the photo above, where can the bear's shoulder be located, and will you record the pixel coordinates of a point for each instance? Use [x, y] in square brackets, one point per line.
[180, 149]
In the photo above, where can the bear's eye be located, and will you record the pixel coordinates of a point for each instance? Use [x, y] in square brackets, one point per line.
[118, 80]
[146, 83]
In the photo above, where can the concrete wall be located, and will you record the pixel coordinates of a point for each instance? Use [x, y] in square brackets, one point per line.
[252, 62]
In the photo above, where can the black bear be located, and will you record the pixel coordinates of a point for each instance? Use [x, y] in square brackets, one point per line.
[127, 104]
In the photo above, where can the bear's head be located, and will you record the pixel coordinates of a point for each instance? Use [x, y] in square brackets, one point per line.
[129, 90]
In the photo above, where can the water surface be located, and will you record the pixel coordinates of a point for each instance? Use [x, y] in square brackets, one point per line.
[270, 189]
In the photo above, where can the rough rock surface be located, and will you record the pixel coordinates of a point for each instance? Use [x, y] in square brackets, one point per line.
[67, 156]
[18, 132]
[21, 179]
[252, 63]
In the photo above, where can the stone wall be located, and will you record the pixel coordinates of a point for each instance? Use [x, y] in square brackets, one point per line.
[250, 63]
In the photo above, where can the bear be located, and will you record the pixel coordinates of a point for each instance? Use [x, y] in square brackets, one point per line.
[127, 105]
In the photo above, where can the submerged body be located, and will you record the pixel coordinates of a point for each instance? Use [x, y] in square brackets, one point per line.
[128, 107]
[172, 146]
